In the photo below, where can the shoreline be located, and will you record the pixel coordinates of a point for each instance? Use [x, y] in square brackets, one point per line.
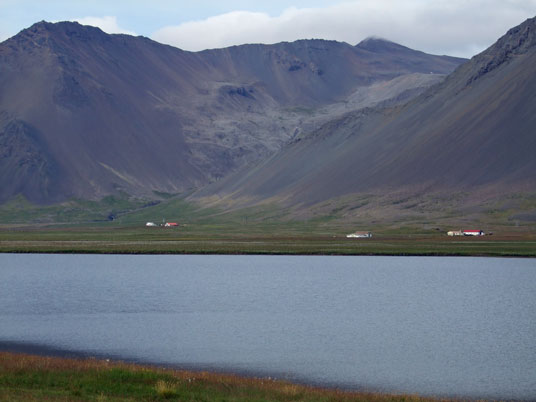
[274, 253]
[41, 350]
[49, 352]
[44, 355]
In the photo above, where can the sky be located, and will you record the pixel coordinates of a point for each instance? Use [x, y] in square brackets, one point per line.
[453, 27]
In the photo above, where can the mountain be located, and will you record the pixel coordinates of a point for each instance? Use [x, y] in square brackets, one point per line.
[85, 114]
[473, 132]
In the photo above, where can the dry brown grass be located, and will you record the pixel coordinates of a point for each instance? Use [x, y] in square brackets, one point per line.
[166, 389]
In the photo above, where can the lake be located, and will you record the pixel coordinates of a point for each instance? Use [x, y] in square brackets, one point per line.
[443, 326]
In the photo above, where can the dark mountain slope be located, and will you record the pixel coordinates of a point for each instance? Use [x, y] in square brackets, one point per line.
[477, 129]
[88, 95]
[86, 114]
[25, 163]
[404, 56]
[312, 72]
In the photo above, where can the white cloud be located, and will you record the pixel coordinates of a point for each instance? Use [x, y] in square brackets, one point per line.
[108, 24]
[456, 27]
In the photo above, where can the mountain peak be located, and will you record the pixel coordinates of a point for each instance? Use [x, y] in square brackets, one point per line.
[516, 41]
[373, 39]
[377, 44]
[520, 38]
[40, 31]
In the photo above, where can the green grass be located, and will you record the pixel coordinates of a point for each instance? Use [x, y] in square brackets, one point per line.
[263, 229]
[19, 210]
[192, 239]
[27, 378]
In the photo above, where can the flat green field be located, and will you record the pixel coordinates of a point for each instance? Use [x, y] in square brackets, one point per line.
[116, 225]
[254, 240]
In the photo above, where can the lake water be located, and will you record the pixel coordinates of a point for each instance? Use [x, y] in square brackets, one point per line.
[435, 326]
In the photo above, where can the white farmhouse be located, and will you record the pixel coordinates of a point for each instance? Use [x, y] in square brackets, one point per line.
[359, 235]
[455, 233]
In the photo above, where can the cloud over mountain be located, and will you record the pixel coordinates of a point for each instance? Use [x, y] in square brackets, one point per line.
[457, 27]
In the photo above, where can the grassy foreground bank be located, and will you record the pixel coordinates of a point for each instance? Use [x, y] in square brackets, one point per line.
[27, 377]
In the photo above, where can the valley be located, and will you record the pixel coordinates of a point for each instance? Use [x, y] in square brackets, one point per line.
[356, 217]
[293, 135]
[84, 114]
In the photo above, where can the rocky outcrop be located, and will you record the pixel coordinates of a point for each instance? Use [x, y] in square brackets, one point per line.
[517, 41]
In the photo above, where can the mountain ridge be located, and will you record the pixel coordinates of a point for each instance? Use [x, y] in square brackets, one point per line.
[116, 113]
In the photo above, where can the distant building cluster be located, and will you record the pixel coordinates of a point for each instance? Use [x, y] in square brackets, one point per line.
[364, 235]
[166, 225]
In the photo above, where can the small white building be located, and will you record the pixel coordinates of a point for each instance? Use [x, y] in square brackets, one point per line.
[455, 233]
[359, 235]
[473, 233]
[151, 224]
